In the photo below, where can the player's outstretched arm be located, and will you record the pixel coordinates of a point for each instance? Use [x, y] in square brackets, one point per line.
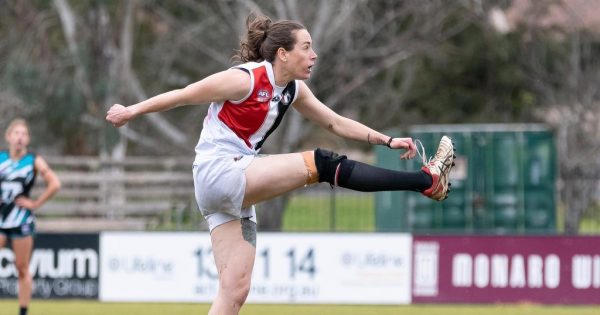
[232, 84]
[313, 109]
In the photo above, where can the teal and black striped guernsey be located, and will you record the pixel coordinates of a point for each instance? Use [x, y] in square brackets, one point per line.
[16, 179]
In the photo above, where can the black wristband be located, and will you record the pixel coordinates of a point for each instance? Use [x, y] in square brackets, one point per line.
[389, 142]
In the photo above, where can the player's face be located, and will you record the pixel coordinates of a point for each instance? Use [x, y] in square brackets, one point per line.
[18, 137]
[302, 58]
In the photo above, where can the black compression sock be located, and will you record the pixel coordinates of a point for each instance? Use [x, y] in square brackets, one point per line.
[363, 177]
[23, 311]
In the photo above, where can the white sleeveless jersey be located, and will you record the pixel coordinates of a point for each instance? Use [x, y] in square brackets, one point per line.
[241, 127]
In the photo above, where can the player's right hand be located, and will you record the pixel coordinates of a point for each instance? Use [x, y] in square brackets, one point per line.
[118, 115]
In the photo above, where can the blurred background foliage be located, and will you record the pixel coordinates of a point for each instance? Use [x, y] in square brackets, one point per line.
[63, 63]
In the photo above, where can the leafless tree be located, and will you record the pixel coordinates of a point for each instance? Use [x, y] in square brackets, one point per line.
[568, 81]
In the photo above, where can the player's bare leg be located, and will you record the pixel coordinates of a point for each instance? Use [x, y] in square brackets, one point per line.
[273, 175]
[22, 248]
[233, 245]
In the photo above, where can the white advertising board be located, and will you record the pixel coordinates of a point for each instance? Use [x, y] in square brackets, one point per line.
[289, 268]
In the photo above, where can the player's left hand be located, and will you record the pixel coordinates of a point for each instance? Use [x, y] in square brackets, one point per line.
[406, 144]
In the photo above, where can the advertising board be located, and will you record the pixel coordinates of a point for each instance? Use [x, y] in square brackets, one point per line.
[302, 268]
[62, 266]
[506, 269]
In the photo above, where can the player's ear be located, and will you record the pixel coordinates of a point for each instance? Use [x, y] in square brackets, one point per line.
[282, 54]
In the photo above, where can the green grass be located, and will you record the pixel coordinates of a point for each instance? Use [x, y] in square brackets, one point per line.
[343, 213]
[79, 307]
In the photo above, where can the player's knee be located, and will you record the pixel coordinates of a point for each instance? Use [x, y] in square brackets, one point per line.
[236, 290]
[327, 163]
[22, 269]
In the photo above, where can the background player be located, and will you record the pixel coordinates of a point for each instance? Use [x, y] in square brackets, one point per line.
[18, 170]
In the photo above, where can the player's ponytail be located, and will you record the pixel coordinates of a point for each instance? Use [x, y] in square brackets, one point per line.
[250, 47]
[264, 37]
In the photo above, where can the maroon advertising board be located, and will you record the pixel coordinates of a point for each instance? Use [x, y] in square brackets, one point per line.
[506, 269]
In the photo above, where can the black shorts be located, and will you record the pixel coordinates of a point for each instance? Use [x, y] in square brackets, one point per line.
[24, 230]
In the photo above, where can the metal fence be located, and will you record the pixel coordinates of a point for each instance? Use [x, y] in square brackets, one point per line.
[134, 194]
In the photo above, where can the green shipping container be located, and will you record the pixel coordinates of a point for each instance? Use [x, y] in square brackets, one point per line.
[503, 182]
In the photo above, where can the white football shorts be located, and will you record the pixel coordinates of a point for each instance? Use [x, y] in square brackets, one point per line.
[219, 185]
